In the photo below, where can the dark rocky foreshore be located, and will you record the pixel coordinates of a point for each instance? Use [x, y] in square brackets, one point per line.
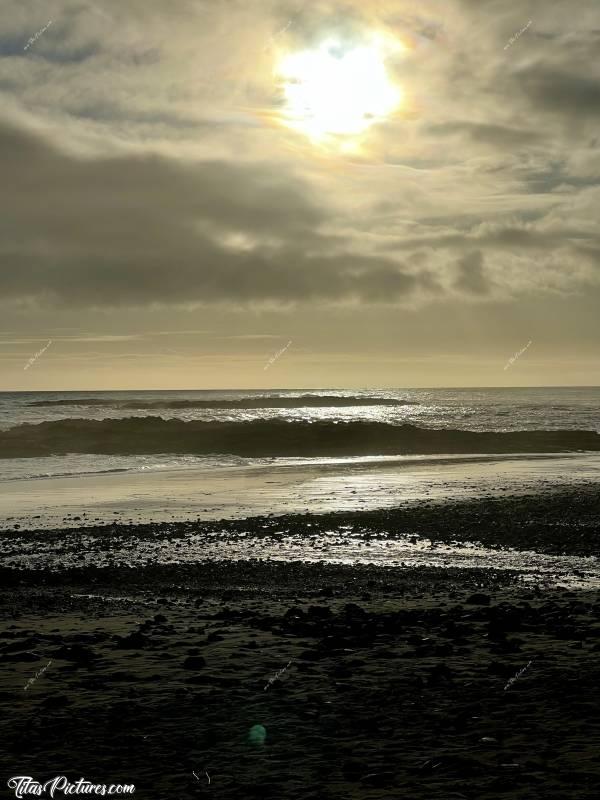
[155, 675]
[396, 686]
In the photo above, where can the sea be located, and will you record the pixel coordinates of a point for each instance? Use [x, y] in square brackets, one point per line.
[54, 434]
[92, 464]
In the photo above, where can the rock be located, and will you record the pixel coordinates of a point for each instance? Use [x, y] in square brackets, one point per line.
[31, 641]
[352, 611]
[385, 653]
[425, 650]
[333, 643]
[23, 657]
[503, 670]
[507, 646]
[440, 673]
[134, 641]
[311, 655]
[341, 671]
[496, 630]
[77, 653]
[231, 614]
[479, 599]
[378, 780]
[321, 612]
[122, 675]
[293, 613]
[194, 662]
[56, 701]
[352, 770]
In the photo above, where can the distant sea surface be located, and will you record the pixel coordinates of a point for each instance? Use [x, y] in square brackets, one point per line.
[52, 434]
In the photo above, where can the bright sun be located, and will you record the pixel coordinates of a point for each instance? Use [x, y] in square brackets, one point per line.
[337, 91]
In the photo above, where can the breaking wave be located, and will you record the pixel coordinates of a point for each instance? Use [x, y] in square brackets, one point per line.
[264, 438]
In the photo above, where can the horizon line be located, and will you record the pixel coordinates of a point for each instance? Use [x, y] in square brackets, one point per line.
[309, 389]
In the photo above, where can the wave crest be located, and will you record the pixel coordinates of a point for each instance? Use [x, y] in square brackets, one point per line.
[264, 438]
[302, 401]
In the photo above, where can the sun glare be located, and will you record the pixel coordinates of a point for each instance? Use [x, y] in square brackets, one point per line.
[337, 91]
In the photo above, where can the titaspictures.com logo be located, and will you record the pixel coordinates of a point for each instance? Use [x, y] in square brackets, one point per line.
[25, 785]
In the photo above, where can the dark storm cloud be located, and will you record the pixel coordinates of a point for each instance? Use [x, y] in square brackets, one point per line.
[149, 229]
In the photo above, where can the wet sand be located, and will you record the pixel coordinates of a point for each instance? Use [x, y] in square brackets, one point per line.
[280, 488]
[396, 686]
[551, 536]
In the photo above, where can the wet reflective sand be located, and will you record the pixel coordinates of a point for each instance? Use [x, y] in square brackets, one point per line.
[292, 486]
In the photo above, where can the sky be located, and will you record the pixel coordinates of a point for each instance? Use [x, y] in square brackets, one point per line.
[261, 194]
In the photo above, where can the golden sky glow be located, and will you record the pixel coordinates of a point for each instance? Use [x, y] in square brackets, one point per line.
[190, 186]
[337, 90]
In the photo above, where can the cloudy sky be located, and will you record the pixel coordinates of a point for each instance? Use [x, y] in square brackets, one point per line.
[171, 219]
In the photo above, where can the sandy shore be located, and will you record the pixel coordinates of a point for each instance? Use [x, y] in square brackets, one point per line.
[156, 674]
[322, 486]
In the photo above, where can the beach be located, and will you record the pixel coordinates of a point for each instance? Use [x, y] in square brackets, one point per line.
[299, 455]
[299, 441]
[157, 491]
[313, 596]
[395, 680]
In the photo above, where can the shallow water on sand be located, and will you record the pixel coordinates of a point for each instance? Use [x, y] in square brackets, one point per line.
[332, 485]
[294, 486]
[343, 546]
